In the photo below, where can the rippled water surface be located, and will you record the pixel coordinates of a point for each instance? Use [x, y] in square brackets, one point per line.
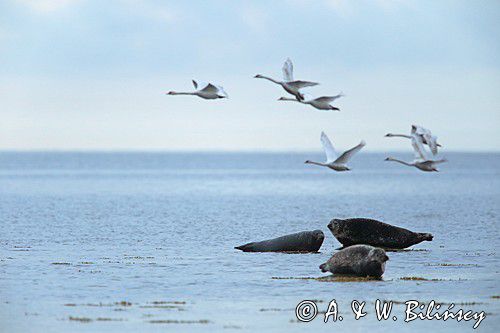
[128, 242]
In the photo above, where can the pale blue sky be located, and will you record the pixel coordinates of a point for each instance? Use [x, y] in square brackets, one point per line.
[91, 75]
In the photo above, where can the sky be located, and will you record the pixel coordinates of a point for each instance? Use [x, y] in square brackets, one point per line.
[92, 75]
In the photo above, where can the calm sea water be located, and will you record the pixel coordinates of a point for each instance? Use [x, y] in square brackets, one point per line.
[128, 242]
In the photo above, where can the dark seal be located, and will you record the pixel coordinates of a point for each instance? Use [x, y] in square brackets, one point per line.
[358, 260]
[375, 233]
[305, 241]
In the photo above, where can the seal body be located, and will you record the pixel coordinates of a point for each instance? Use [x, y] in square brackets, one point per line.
[375, 233]
[305, 241]
[359, 260]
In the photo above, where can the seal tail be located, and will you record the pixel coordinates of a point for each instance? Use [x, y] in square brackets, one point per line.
[323, 268]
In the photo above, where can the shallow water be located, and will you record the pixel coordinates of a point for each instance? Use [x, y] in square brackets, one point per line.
[127, 242]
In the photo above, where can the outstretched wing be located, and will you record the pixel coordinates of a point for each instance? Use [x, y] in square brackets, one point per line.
[328, 99]
[221, 91]
[328, 148]
[288, 70]
[420, 130]
[426, 136]
[440, 161]
[418, 147]
[195, 84]
[348, 154]
[209, 88]
[301, 84]
[432, 142]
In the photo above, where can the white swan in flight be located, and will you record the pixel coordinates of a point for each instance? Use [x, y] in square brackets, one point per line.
[421, 161]
[424, 133]
[332, 161]
[427, 165]
[290, 85]
[320, 103]
[204, 90]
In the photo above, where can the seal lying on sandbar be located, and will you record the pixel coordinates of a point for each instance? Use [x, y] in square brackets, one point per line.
[359, 260]
[305, 241]
[375, 233]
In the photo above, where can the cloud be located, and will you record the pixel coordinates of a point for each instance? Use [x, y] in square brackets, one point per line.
[47, 6]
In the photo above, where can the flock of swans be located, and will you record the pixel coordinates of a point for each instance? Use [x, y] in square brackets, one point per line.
[419, 136]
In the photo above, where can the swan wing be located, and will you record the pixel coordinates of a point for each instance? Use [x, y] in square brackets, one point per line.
[301, 84]
[209, 88]
[432, 142]
[328, 148]
[420, 130]
[426, 136]
[418, 147]
[348, 154]
[328, 99]
[440, 161]
[288, 70]
[221, 91]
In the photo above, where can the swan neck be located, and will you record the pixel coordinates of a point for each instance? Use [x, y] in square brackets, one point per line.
[269, 78]
[317, 163]
[402, 135]
[402, 162]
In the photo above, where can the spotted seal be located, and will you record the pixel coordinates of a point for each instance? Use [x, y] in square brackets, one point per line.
[358, 260]
[375, 233]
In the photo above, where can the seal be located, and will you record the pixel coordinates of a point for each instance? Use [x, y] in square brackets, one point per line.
[375, 233]
[358, 260]
[305, 241]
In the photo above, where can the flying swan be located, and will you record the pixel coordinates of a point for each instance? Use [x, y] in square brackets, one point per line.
[204, 90]
[421, 161]
[320, 103]
[424, 133]
[332, 161]
[290, 85]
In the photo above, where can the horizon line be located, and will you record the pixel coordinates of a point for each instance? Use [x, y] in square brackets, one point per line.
[218, 151]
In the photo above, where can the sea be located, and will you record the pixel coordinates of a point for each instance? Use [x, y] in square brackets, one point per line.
[144, 242]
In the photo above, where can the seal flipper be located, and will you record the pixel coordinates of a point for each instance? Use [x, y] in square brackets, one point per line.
[245, 248]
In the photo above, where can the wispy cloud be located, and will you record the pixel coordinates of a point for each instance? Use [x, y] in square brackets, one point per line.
[47, 6]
